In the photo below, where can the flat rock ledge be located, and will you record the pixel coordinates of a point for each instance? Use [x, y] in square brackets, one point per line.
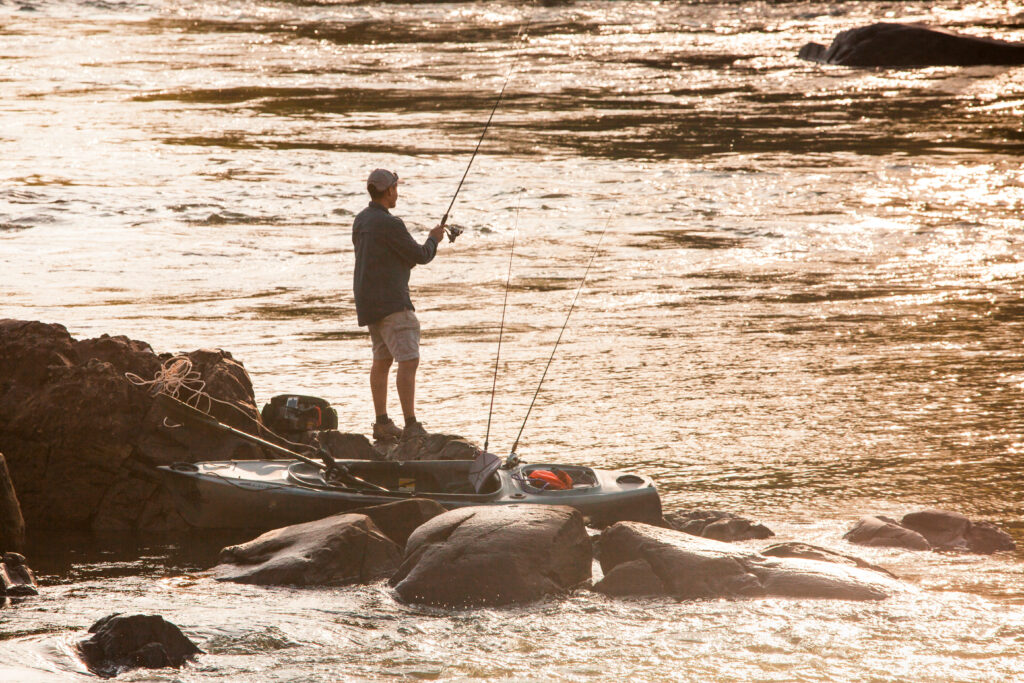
[123, 642]
[643, 560]
[939, 530]
[335, 551]
[718, 525]
[495, 555]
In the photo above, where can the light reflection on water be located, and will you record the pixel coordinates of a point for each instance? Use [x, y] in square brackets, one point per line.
[807, 306]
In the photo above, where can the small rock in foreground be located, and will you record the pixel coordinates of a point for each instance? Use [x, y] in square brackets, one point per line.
[16, 578]
[122, 642]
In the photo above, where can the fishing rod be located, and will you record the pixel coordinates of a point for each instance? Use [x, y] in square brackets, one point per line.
[454, 231]
[501, 329]
[513, 459]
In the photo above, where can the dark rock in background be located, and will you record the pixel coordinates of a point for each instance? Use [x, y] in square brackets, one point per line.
[430, 447]
[721, 526]
[334, 551]
[912, 45]
[123, 642]
[931, 530]
[399, 519]
[496, 555]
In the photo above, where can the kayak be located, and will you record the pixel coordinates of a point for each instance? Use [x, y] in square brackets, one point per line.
[268, 494]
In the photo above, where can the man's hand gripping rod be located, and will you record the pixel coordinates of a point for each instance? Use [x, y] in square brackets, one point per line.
[452, 230]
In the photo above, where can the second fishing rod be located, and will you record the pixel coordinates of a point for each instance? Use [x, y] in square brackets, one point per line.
[452, 230]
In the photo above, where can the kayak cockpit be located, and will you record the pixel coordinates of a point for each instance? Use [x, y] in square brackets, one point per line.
[412, 477]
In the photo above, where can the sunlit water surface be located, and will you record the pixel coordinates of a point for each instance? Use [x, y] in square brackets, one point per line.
[807, 305]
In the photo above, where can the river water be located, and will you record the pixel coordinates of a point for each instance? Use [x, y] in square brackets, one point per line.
[807, 305]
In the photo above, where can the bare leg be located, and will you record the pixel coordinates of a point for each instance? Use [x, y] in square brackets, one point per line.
[379, 384]
[405, 380]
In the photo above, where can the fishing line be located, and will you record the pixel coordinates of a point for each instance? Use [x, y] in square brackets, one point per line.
[501, 329]
[454, 232]
[571, 307]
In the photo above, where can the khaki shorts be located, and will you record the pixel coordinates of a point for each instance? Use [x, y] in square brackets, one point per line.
[396, 336]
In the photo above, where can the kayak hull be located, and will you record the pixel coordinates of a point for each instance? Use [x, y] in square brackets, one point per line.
[268, 494]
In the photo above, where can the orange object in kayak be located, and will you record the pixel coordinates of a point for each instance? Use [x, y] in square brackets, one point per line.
[547, 479]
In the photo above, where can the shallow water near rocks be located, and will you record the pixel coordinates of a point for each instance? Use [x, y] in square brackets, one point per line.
[807, 305]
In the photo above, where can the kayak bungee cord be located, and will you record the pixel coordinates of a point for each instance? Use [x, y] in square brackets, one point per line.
[454, 231]
[513, 459]
[501, 329]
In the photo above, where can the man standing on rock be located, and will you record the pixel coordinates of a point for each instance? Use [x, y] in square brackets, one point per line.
[385, 255]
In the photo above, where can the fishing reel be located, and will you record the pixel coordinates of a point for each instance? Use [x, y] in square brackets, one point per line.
[453, 232]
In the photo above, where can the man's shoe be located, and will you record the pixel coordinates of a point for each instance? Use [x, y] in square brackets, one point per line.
[413, 430]
[386, 431]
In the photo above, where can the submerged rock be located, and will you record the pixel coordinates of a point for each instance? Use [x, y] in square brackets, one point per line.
[721, 526]
[912, 45]
[878, 530]
[16, 578]
[335, 551]
[122, 642]
[495, 556]
[813, 552]
[931, 530]
[639, 559]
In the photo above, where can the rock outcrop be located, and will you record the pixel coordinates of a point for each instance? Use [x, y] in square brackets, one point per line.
[940, 530]
[81, 439]
[334, 551]
[639, 559]
[16, 578]
[123, 642]
[721, 526]
[12, 524]
[398, 520]
[912, 45]
[495, 555]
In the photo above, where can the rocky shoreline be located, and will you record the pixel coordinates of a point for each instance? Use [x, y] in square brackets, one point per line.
[80, 440]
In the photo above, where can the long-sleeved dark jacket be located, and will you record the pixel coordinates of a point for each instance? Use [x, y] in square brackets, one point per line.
[385, 254]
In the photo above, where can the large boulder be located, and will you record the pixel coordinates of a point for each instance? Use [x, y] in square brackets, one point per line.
[940, 530]
[721, 526]
[81, 439]
[122, 642]
[335, 551]
[912, 45]
[495, 555]
[639, 559]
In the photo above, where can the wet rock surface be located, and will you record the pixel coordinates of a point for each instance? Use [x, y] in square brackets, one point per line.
[398, 520]
[429, 447]
[813, 552]
[16, 578]
[123, 642]
[940, 530]
[80, 439]
[498, 555]
[639, 559]
[721, 526]
[912, 45]
[335, 551]
[12, 524]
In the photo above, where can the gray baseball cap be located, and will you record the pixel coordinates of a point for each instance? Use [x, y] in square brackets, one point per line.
[382, 179]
